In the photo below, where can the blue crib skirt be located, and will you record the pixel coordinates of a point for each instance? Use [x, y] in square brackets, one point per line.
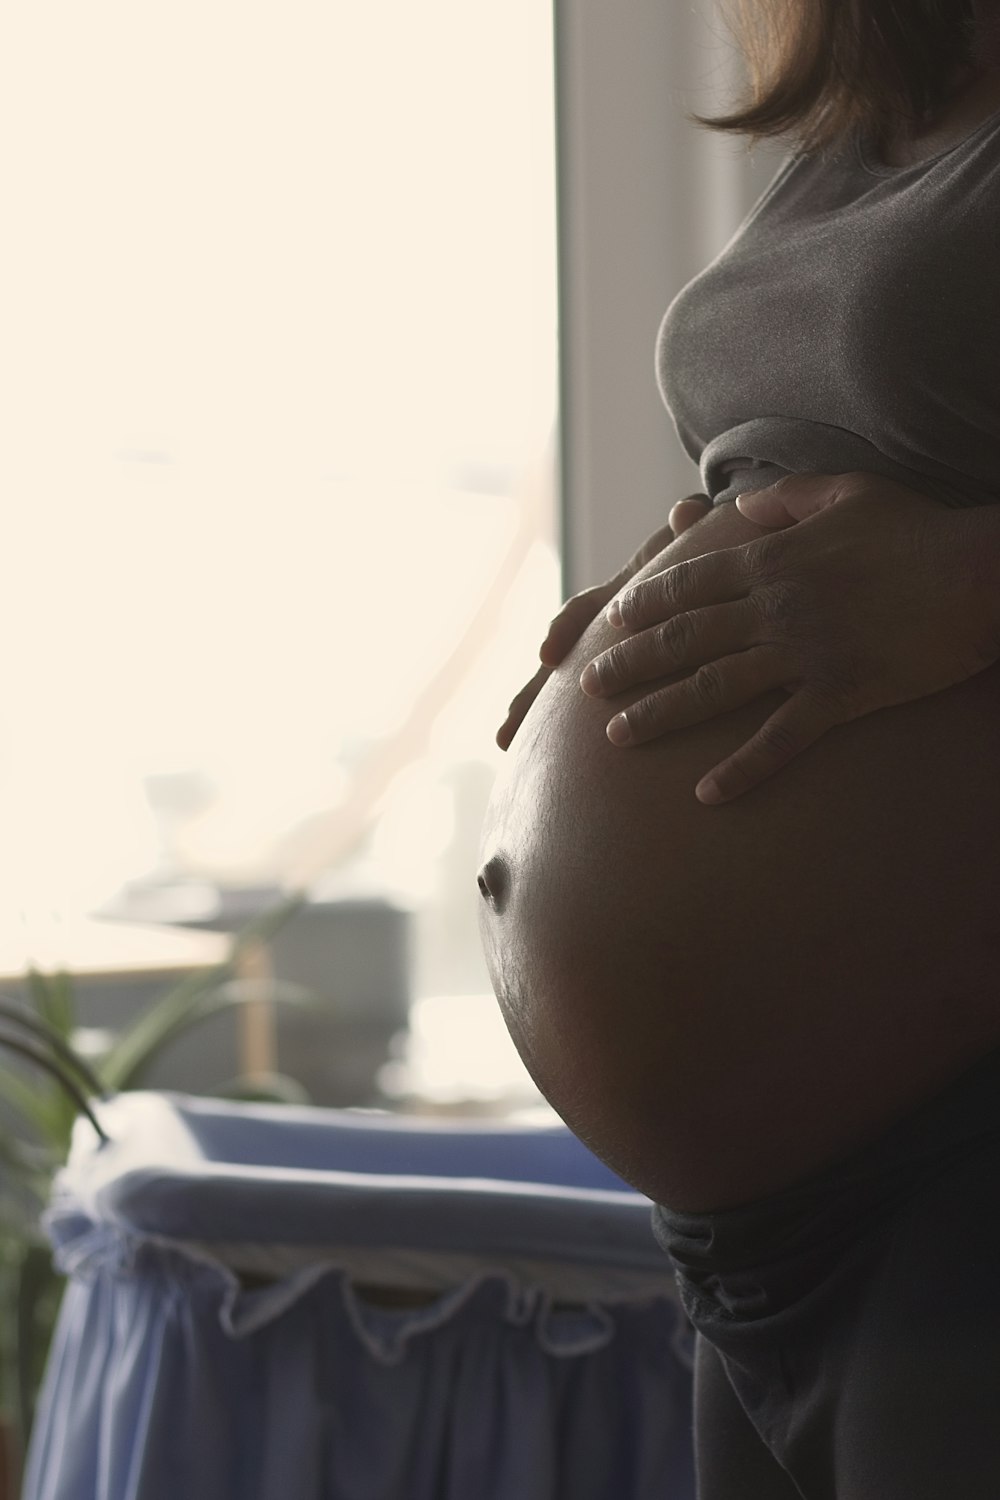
[271, 1303]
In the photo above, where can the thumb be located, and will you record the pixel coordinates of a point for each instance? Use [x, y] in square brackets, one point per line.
[796, 497]
[779, 506]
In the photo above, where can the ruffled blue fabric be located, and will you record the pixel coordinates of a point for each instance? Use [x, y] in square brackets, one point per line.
[170, 1376]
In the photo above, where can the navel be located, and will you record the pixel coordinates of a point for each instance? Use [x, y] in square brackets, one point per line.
[494, 881]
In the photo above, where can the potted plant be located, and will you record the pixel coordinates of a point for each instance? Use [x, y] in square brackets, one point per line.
[37, 1122]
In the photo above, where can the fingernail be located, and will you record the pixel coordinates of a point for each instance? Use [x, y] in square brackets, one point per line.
[708, 790]
[618, 731]
[590, 679]
[613, 615]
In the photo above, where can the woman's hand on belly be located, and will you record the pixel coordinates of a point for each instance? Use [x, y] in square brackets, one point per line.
[770, 615]
[577, 613]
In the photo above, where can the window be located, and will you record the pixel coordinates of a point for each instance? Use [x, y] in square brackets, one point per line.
[281, 333]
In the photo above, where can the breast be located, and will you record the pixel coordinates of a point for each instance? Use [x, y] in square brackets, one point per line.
[721, 1000]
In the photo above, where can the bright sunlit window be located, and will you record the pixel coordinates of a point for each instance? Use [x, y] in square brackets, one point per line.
[279, 461]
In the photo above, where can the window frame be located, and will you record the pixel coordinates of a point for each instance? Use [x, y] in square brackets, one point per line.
[645, 200]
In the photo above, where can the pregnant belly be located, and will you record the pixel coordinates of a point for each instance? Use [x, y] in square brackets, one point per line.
[721, 1000]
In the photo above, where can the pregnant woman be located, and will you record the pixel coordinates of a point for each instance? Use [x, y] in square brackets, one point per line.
[776, 1009]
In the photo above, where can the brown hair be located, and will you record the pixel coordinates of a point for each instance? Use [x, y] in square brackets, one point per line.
[821, 68]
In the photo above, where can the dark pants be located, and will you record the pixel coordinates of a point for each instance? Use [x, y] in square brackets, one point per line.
[849, 1328]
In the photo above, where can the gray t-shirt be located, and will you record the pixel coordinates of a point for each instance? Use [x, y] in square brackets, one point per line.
[852, 322]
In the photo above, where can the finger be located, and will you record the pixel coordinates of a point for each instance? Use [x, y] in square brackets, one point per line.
[685, 640]
[686, 512]
[765, 508]
[572, 620]
[795, 726]
[796, 497]
[519, 707]
[715, 688]
[712, 578]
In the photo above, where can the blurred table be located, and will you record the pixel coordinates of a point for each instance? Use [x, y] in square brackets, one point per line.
[97, 950]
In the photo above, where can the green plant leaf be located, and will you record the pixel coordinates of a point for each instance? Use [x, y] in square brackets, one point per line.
[230, 994]
[139, 1043]
[22, 1209]
[236, 992]
[52, 997]
[33, 1105]
[17, 1016]
[56, 1102]
[23, 1159]
[263, 1088]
